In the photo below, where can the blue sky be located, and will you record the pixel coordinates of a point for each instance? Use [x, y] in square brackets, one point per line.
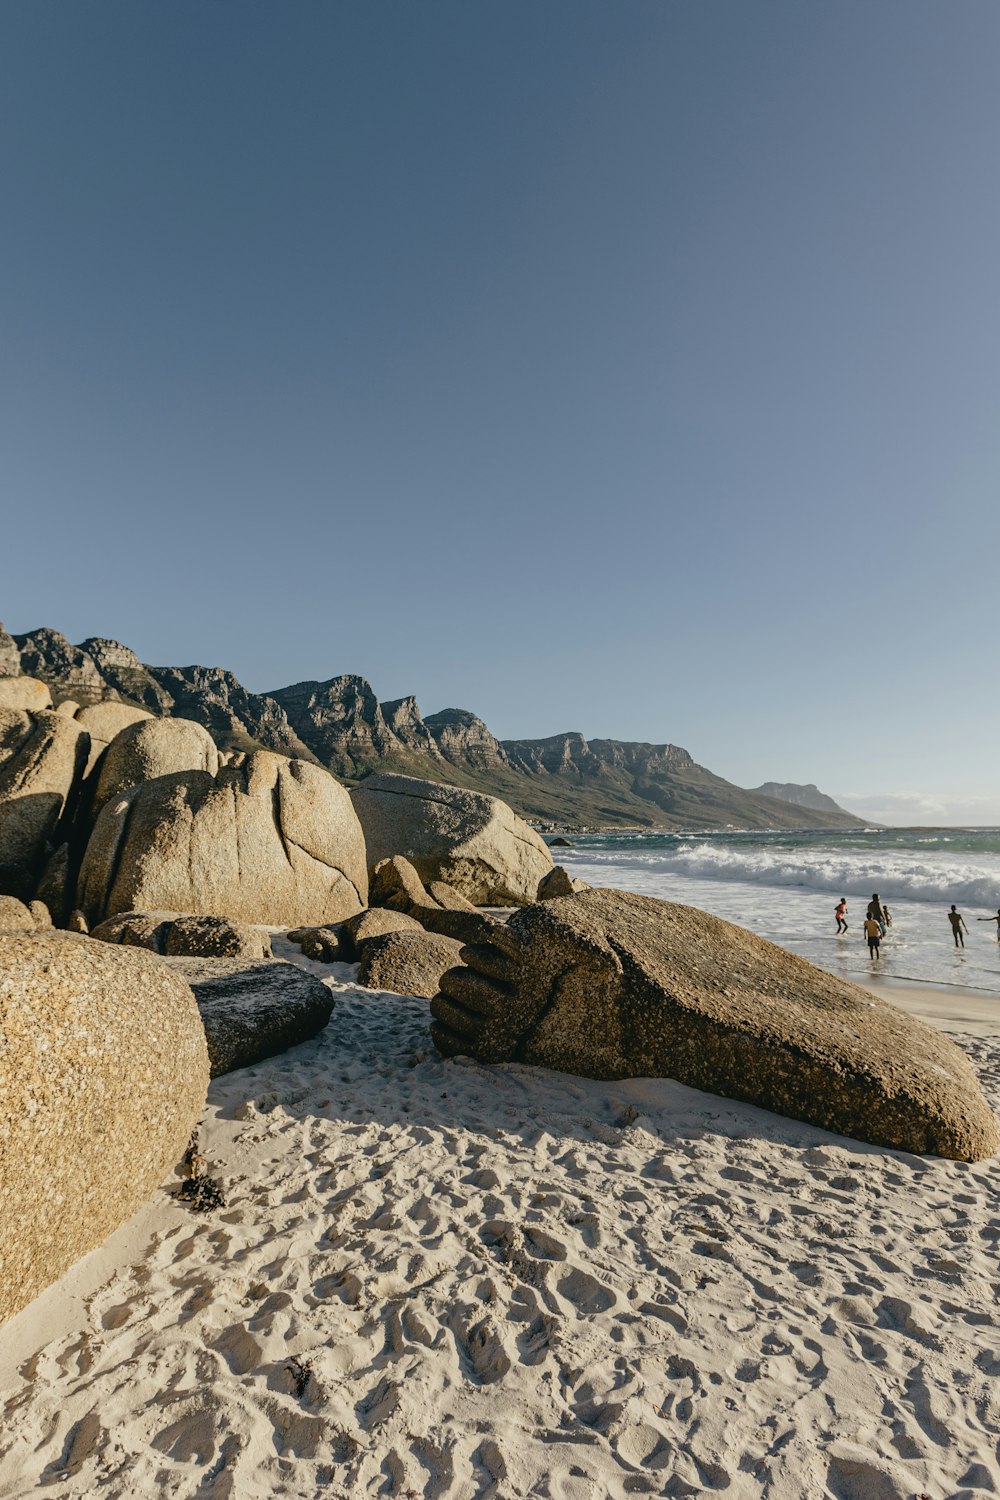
[626, 367]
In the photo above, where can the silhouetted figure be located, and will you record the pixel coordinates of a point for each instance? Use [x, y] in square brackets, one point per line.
[957, 924]
[840, 912]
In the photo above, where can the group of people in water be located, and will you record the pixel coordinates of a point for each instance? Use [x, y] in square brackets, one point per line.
[878, 920]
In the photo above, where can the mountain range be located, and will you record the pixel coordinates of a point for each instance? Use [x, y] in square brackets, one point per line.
[563, 780]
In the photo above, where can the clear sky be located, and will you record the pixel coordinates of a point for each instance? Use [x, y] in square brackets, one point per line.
[629, 367]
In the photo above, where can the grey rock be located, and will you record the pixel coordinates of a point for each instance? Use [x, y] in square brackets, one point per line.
[614, 985]
[464, 740]
[472, 842]
[253, 1012]
[76, 922]
[463, 926]
[407, 963]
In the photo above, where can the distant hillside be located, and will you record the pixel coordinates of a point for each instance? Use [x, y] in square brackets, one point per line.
[808, 796]
[341, 723]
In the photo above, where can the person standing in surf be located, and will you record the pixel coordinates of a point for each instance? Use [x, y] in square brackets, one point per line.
[840, 912]
[957, 923]
[875, 910]
[873, 932]
[995, 919]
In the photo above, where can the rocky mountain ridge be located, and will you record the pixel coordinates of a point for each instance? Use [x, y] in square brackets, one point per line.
[342, 725]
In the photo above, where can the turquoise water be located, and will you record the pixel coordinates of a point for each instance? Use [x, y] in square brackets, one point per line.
[784, 886]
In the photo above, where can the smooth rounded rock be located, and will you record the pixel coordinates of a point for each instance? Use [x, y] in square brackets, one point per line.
[468, 840]
[148, 748]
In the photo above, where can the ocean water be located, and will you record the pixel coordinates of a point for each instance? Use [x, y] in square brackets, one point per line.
[785, 886]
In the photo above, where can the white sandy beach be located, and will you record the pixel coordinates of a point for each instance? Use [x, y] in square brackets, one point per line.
[508, 1282]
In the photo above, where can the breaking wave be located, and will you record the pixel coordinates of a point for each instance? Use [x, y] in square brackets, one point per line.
[896, 874]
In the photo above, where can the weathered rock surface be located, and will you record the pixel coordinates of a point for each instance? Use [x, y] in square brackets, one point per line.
[614, 985]
[54, 884]
[42, 757]
[395, 884]
[446, 895]
[407, 963]
[103, 1071]
[324, 944]
[216, 937]
[136, 929]
[104, 722]
[10, 655]
[151, 748]
[374, 923]
[254, 1012]
[15, 916]
[24, 694]
[272, 840]
[472, 842]
[463, 926]
[184, 936]
[557, 882]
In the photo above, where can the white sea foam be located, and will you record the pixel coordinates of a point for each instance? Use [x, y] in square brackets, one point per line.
[972, 879]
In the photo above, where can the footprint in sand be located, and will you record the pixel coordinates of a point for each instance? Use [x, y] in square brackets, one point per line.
[586, 1294]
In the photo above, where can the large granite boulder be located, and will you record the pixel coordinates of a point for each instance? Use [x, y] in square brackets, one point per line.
[24, 694]
[614, 985]
[271, 840]
[149, 748]
[473, 842]
[253, 1011]
[42, 757]
[104, 722]
[407, 963]
[394, 883]
[103, 1072]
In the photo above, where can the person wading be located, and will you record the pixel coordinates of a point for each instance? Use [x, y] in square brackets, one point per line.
[873, 932]
[840, 912]
[957, 923]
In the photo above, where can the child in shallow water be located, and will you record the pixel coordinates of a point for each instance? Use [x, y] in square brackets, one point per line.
[873, 932]
[840, 912]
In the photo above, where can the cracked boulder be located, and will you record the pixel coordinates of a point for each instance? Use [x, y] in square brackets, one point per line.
[271, 840]
[470, 841]
[407, 963]
[613, 985]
